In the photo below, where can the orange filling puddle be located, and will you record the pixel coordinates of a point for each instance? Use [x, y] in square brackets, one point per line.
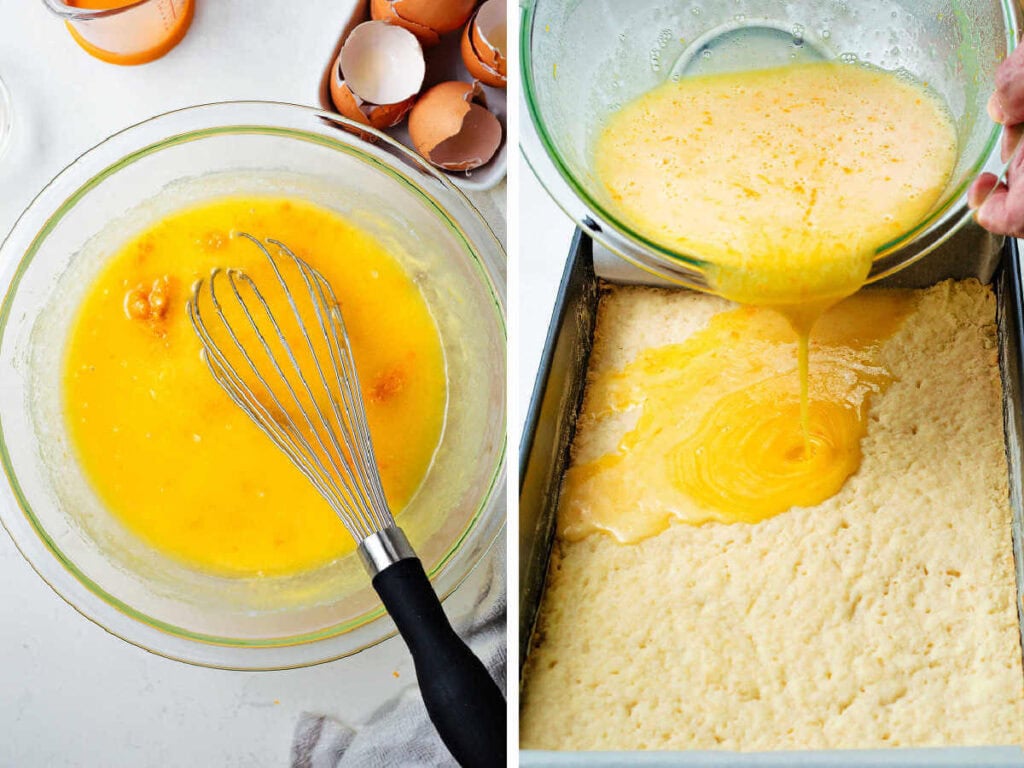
[718, 434]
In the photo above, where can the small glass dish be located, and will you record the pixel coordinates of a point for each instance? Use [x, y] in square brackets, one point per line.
[119, 188]
[582, 61]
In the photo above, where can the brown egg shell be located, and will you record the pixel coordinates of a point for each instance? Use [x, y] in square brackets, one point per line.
[384, 10]
[439, 15]
[451, 127]
[379, 116]
[488, 53]
[473, 146]
[439, 113]
[477, 67]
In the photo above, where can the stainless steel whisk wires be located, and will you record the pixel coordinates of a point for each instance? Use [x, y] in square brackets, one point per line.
[318, 420]
[282, 354]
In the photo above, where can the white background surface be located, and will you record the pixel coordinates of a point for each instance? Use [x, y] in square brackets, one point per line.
[70, 694]
[545, 233]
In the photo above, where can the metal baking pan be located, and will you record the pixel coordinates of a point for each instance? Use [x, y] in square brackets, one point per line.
[550, 427]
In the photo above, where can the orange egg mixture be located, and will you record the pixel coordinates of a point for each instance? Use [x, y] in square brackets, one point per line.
[787, 180]
[172, 457]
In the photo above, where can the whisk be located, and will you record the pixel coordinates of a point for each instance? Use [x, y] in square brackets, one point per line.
[282, 353]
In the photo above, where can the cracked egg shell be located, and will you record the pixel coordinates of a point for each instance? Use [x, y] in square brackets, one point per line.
[437, 16]
[489, 32]
[384, 10]
[450, 126]
[382, 63]
[483, 60]
[378, 116]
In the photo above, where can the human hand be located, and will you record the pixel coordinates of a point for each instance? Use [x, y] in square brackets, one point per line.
[999, 206]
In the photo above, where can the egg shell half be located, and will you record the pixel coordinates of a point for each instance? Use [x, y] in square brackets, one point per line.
[452, 128]
[439, 15]
[474, 62]
[489, 32]
[380, 116]
[382, 63]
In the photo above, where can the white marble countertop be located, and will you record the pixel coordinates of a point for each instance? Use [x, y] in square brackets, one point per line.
[70, 694]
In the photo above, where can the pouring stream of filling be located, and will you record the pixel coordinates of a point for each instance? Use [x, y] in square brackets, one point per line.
[786, 182]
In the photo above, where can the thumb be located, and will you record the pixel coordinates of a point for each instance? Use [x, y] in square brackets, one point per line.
[1002, 212]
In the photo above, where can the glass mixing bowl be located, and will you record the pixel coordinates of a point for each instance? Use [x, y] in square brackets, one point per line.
[581, 61]
[119, 188]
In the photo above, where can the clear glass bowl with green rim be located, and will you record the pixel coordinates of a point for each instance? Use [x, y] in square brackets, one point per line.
[582, 61]
[125, 184]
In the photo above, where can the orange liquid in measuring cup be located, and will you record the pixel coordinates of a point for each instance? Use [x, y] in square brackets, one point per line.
[135, 36]
[99, 5]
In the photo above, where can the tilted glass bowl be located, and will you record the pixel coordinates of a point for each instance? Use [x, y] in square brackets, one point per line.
[582, 60]
[125, 184]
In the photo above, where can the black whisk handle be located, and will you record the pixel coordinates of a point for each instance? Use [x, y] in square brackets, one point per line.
[464, 703]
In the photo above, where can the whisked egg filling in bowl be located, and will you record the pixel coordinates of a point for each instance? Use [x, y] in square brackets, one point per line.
[144, 496]
[173, 457]
[583, 71]
[786, 181]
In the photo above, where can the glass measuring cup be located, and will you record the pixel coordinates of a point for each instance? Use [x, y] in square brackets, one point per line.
[125, 31]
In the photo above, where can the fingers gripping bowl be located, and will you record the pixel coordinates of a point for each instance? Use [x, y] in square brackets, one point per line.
[120, 188]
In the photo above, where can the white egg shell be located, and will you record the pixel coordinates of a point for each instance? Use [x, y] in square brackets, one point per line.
[382, 63]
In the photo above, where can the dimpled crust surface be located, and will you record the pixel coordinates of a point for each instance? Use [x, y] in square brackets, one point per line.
[885, 616]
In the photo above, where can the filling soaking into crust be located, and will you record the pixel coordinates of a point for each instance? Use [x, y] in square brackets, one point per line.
[881, 615]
